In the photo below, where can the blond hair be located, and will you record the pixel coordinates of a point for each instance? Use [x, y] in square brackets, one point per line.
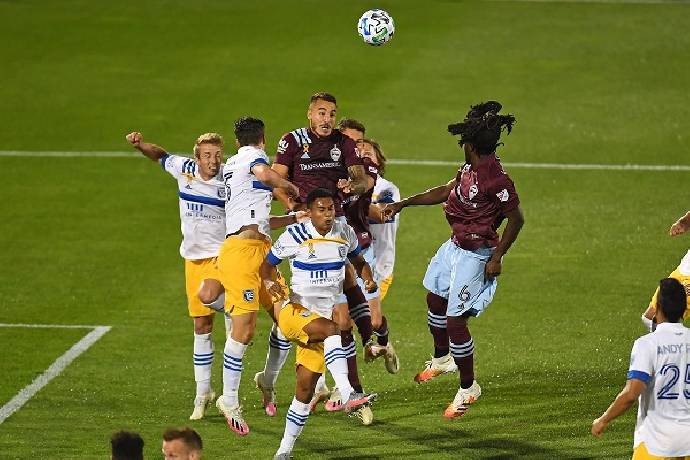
[208, 138]
[380, 157]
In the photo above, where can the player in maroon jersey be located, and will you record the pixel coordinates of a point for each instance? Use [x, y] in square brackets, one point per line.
[461, 278]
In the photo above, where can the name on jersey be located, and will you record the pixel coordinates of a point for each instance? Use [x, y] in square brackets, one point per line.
[673, 349]
[319, 165]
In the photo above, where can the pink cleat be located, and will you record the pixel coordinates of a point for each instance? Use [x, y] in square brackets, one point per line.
[335, 402]
[268, 395]
[233, 415]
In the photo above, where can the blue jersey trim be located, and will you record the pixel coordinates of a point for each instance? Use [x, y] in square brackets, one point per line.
[260, 185]
[258, 161]
[355, 252]
[639, 375]
[163, 159]
[318, 266]
[202, 199]
[272, 259]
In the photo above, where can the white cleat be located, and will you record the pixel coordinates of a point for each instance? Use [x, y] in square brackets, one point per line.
[335, 402]
[365, 414]
[391, 359]
[321, 393]
[435, 367]
[201, 404]
[463, 399]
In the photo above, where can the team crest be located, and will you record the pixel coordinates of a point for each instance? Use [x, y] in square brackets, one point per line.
[503, 195]
[335, 153]
[473, 191]
[282, 146]
[221, 192]
[248, 295]
[342, 250]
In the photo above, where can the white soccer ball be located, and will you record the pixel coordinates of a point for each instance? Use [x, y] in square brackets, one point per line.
[376, 27]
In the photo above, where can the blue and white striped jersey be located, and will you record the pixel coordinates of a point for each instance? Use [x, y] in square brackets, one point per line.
[248, 199]
[202, 208]
[317, 262]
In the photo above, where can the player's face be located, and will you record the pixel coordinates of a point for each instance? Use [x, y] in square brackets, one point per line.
[176, 450]
[354, 134]
[367, 150]
[209, 157]
[321, 117]
[322, 213]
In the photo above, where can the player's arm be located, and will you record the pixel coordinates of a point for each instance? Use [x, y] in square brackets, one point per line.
[273, 179]
[363, 271]
[152, 151]
[515, 222]
[625, 399]
[375, 213]
[432, 196]
[681, 226]
[268, 273]
[277, 222]
[289, 202]
[359, 181]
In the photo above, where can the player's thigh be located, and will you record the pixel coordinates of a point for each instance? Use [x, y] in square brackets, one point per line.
[470, 291]
[641, 453]
[311, 357]
[437, 276]
[196, 271]
[292, 320]
[238, 269]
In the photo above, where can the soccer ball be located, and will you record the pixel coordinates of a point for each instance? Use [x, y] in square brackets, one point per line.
[376, 27]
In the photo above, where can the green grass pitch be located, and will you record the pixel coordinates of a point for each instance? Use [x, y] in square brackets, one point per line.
[94, 240]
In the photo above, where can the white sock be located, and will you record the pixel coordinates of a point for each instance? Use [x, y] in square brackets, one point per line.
[228, 324]
[203, 362]
[296, 417]
[232, 370]
[278, 350]
[321, 383]
[337, 364]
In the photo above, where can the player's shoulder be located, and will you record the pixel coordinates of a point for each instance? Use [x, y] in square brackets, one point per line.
[297, 233]
[298, 137]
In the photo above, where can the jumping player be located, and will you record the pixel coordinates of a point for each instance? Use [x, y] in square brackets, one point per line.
[461, 278]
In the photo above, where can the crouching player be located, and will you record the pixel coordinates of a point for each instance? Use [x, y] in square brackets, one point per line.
[318, 250]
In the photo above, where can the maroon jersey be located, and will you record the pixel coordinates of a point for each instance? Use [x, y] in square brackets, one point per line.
[317, 162]
[479, 202]
[356, 208]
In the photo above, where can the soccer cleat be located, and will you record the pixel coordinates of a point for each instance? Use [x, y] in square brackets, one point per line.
[462, 400]
[358, 400]
[201, 403]
[372, 351]
[436, 367]
[391, 359]
[365, 414]
[320, 394]
[233, 415]
[335, 402]
[268, 395]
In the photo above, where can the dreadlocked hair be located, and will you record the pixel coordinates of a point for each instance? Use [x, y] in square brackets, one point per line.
[482, 127]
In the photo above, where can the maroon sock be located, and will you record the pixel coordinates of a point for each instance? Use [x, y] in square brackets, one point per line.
[350, 349]
[462, 349]
[382, 332]
[436, 318]
[359, 311]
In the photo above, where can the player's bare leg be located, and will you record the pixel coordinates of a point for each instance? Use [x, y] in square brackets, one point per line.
[203, 362]
[243, 326]
[212, 294]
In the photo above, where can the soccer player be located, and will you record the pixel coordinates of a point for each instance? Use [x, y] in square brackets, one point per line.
[461, 277]
[202, 213]
[681, 273]
[658, 377]
[181, 444]
[248, 183]
[322, 156]
[317, 251]
[126, 446]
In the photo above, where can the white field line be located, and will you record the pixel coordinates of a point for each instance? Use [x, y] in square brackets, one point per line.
[592, 167]
[54, 369]
[610, 2]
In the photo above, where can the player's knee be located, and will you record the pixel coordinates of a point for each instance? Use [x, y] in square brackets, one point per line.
[245, 336]
[331, 328]
[207, 295]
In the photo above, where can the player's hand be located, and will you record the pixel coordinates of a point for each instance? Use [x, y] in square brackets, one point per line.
[344, 185]
[274, 289]
[301, 216]
[598, 427]
[681, 226]
[391, 209]
[292, 191]
[370, 286]
[493, 268]
[134, 138]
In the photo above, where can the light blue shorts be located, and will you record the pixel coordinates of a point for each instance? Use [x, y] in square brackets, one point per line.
[458, 275]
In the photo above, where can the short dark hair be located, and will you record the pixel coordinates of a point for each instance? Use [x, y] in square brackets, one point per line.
[126, 445]
[351, 123]
[316, 194]
[190, 437]
[482, 127]
[672, 299]
[323, 97]
[249, 131]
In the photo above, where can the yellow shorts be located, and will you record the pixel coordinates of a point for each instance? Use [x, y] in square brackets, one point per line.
[292, 320]
[383, 287]
[238, 270]
[195, 271]
[685, 281]
[640, 453]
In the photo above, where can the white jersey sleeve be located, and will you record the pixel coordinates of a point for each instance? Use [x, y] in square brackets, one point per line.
[285, 247]
[353, 244]
[177, 165]
[641, 362]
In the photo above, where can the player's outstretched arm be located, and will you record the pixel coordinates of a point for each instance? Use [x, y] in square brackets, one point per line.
[290, 203]
[625, 399]
[271, 178]
[432, 196]
[359, 181]
[268, 273]
[515, 222]
[152, 151]
[277, 222]
[681, 226]
[364, 271]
